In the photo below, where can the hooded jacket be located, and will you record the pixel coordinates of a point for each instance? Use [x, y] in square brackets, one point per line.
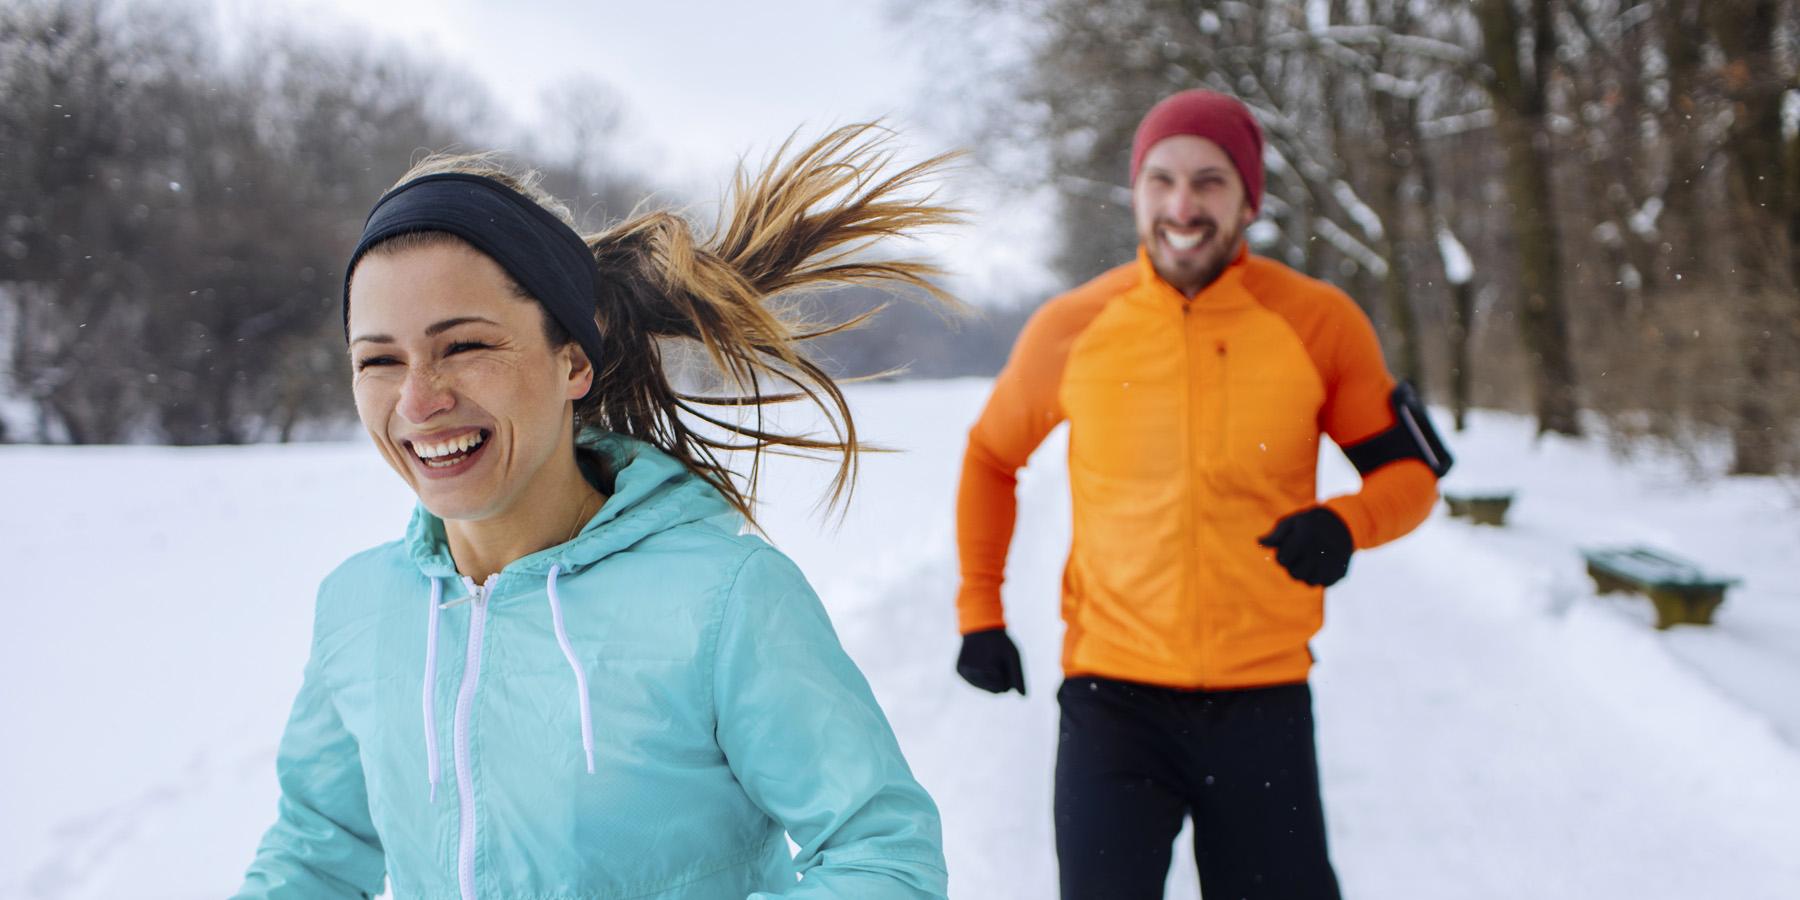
[646, 710]
[1194, 426]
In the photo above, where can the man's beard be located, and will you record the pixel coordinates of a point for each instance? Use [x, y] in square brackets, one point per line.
[1221, 248]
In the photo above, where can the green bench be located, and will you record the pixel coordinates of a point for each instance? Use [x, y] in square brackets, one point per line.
[1482, 509]
[1681, 590]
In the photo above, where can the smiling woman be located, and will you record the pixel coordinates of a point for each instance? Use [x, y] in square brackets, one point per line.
[649, 701]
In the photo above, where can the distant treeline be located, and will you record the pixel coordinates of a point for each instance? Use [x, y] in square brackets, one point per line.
[175, 213]
[1589, 209]
[1624, 176]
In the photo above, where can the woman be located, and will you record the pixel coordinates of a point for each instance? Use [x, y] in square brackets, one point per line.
[576, 676]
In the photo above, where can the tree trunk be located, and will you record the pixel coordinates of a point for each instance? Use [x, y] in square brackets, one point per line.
[1748, 35]
[1521, 110]
[1686, 253]
[1461, 365]
[1396, 114]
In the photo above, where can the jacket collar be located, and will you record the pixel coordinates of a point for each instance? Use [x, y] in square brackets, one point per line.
[1227, 293]
[652, 492]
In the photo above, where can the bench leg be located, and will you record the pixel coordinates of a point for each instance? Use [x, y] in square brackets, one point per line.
[1671, 609]
[1701, 606]
[1490, 513]
[1685, 607]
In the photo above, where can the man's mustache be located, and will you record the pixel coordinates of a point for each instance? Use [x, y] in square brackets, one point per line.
[1201, 222]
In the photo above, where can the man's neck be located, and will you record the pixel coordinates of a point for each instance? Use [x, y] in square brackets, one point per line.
[1208, 279]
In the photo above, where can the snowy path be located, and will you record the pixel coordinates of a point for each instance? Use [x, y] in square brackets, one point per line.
[1488, 727]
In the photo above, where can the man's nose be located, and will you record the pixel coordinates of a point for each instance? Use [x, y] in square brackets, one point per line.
[1184, 204]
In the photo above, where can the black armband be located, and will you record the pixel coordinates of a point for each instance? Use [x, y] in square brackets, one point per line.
[1411, 437]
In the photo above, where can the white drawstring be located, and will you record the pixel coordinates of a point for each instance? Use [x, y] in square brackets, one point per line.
[581, 687]
[432, 768]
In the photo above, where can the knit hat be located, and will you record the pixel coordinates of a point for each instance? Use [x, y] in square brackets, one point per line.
[1219, 118]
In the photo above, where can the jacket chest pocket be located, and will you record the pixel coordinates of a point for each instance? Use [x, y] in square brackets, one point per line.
[1264, 422]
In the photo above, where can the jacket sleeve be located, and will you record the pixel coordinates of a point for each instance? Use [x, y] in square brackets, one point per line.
[1022, 410]
[804, 736]
[1397, 496]
[323, 843]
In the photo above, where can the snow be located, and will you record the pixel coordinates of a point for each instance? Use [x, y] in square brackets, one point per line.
[1346, 243]
[1458, 269]
[1643, 219]
[1365, 218]
[1488, 727]
[1262, 233]
[1457, 124]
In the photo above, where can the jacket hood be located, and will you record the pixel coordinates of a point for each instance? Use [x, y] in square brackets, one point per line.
[652, 492]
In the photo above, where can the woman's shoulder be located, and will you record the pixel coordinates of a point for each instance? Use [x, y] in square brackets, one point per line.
[379, 563]
[710, 560]
[352, 590]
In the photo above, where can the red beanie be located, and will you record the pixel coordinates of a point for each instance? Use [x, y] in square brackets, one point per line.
[1219, 118]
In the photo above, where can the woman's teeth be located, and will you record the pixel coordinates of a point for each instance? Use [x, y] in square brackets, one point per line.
[439, 455]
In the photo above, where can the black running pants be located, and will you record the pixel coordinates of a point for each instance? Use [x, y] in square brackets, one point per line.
[1135, 760]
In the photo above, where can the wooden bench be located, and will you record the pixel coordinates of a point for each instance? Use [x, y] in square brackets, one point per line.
[1681, 590]
[1482, 509]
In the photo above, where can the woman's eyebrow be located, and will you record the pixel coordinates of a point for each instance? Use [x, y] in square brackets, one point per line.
[434, 330]
[441, 327]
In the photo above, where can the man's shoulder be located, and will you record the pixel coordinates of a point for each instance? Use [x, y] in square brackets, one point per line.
[1073, 309]
[1276, 285]
[1099, 289]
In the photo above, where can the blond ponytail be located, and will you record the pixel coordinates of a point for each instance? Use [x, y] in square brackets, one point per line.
[806, 220]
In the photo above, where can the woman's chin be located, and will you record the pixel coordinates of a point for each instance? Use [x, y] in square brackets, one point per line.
[452, 502]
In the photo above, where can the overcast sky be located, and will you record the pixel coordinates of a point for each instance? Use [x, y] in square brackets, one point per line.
[703, 82]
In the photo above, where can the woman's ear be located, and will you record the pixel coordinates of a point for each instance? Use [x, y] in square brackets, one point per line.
[581, 371]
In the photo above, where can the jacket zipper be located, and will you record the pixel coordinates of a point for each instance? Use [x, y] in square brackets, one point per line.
[465, 703]
[1190, 583]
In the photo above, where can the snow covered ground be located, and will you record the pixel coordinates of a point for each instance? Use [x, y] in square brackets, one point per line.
[1488, 727]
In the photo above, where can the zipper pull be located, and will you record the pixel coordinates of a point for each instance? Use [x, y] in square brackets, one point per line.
[475, 593]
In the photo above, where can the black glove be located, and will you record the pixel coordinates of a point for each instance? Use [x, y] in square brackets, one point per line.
[1314, 545]
[990, 661]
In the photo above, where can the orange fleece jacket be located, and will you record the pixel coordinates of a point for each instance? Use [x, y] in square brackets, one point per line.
[1193, 426]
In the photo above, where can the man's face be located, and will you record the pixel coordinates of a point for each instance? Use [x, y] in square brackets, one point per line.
[1190, 209]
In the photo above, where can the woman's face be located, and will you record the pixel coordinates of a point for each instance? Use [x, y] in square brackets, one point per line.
[455, 380]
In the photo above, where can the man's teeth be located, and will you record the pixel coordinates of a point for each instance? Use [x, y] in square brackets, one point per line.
[1184, 241]
[456, 445]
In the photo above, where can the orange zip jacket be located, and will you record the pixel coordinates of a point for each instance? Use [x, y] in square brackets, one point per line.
[1193, 427]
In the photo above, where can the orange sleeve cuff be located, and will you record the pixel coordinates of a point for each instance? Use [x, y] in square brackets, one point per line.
[1394, 500]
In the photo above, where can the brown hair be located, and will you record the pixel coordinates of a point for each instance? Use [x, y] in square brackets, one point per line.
[807, 219]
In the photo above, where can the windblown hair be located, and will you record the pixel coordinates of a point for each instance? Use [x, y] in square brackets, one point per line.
[808, 219]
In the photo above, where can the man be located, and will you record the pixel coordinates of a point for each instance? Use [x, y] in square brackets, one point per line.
[1196, 382]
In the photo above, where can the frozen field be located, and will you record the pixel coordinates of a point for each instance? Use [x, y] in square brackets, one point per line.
[1488, 727]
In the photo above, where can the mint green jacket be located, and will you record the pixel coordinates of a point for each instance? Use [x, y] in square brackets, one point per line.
[649, 710]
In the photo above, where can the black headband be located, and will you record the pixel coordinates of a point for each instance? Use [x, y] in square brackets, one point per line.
[540, 251]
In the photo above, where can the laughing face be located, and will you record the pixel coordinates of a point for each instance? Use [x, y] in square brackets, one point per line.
[1190, 209]
[456, 381]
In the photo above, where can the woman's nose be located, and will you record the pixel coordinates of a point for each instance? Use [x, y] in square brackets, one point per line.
[424, 395]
